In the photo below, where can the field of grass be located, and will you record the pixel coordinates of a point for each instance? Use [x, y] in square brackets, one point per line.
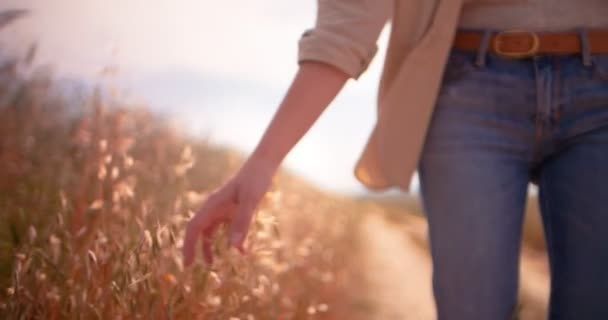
[93, 204]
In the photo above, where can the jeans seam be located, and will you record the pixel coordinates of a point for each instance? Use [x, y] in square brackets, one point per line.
[546, 213]
[557, 94]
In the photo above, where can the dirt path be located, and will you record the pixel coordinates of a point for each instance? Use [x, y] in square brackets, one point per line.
[398, 272]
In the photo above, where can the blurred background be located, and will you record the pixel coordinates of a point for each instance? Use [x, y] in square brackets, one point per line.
[116, 120]
[219, 67]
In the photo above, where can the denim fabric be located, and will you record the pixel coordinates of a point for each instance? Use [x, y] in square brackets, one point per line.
[495, 129]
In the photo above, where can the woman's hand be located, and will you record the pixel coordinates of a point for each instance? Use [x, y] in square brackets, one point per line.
[234, 203]
[313, 88]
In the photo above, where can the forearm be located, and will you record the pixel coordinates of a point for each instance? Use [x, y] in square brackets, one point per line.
[312, 90]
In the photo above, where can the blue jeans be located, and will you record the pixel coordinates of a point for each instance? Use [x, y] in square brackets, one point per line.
[495, 129]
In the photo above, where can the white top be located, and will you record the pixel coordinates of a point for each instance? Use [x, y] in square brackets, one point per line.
[536, 15]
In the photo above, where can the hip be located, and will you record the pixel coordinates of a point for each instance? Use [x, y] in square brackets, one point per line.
[517, 106]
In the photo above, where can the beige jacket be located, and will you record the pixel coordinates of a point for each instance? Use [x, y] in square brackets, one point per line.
[345, 37]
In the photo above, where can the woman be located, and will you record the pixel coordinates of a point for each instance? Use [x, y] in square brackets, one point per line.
[481, 114]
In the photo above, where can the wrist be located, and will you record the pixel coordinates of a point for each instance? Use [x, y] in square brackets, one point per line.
[262, 162]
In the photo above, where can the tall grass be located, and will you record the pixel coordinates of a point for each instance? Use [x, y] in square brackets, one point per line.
[93, 205]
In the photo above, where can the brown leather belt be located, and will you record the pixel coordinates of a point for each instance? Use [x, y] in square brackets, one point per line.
[522, 44]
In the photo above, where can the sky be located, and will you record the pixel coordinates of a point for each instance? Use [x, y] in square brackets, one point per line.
[219, 67]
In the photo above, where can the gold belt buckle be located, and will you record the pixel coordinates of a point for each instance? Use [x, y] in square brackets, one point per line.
[498, 41]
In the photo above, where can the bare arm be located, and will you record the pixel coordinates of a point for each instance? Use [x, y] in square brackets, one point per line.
[312, 90]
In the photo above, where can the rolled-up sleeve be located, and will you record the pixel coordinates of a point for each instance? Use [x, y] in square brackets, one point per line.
[346, 33]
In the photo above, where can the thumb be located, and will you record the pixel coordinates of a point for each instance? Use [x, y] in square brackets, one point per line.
[240, 224]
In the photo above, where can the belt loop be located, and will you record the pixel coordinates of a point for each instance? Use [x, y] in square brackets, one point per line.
[585, 47]
[482, 53]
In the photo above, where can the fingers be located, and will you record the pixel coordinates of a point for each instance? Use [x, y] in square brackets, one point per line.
[208, 250]
[203, 219]
[240, 224]
[216, 210]
[189, 243]
[208, 242]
